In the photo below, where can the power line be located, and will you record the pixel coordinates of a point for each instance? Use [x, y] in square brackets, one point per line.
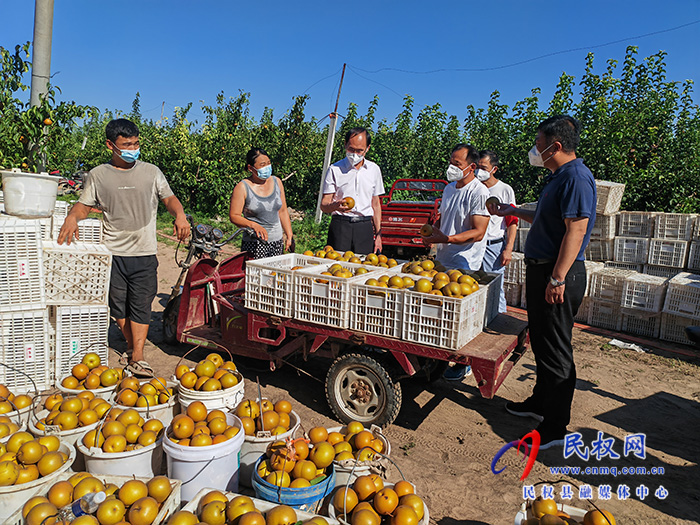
[370, 80]
[521, 62]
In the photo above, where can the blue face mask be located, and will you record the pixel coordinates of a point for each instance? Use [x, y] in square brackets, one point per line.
[265, 172]
[130, 155]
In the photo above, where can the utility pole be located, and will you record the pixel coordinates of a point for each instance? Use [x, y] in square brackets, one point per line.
[329, 147]
[41, 59]
[41, 55]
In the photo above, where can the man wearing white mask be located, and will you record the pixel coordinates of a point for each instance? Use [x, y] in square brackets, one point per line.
[556, 274]
[354, 226]
[461, 229]
[500, 235]
[460, 232]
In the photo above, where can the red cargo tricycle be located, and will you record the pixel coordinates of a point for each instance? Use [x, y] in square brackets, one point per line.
[363, 379]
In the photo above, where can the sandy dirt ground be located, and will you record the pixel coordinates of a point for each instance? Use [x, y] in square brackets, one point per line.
[446, 434]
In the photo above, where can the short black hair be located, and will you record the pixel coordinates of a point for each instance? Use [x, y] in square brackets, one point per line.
[357, 131]
[494, 160]
[563, 129]
[472, 152]
[253, 154]
[121, 127]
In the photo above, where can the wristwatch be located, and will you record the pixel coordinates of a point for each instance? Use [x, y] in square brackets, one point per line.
[556, 283]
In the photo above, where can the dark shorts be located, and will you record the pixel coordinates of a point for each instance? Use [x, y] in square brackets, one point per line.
[356, 235]
[132, 287]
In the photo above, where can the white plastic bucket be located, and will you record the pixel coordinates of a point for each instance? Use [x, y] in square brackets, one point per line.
[165, 412]
[225, 400]
[332, 514]
[215, 466]
[14, 496]
[253, 447]
[66, 436]
[29, 195]
[344, 471]
[103, 393]
[145, 462]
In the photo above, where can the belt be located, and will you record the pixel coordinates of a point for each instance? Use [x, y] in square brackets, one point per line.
[495, 241]
[345, 218]
[530, 261]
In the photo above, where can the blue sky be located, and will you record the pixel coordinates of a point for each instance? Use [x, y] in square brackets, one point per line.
[188, 51]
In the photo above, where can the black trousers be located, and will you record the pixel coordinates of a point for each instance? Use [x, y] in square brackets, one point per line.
[550, 337]
[344, 235]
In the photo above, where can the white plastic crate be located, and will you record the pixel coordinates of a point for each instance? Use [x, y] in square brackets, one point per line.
[635, 224]
[77, 273]
[582, 314]
[512, 291]
[607, 284]
[604, 314]
[444, 322]
[673, 328]
[646, 324]
[75, 328]
[661, 271]
[599, 250]
[61, 209]
[377, 310]
[604, 227]
[683, 295]
[89, 230]
[532, 206]
[515, 271]
[269, 284]
[24, 345]
[591, 268]
[678, 226]
[666, 252]
[324, 299]
[644, 292]
[624, 266]
[609, 196]
[696, 229]
[21, 270]
[694, 256]
[631, 250]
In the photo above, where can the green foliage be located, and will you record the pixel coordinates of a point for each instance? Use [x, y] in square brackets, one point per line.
[637, 127]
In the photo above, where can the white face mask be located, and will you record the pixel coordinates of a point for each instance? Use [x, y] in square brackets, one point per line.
[536, 157]
[354, 158]
[453, 173]
[482, 175]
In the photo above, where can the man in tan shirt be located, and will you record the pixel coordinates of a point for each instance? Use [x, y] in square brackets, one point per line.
[128, 191]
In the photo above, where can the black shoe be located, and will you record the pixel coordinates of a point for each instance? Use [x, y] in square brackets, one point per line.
[549, 439]
[524, 409]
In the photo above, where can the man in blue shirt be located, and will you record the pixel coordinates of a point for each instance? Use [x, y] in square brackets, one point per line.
[556, 275]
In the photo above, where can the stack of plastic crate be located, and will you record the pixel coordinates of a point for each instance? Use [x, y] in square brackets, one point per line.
[76, 283]
[24, 347]
[609, 194]
[591, 268]
[642, 301]
[681, 307]
[672, 235]
[524, 227]
[634, 231]
[605, 290]
[694, 250]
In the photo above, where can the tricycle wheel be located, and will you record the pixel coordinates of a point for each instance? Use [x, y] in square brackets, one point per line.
[170, 315]
[359, 388]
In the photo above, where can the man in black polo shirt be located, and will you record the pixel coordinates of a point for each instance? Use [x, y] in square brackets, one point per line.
[556, 275]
